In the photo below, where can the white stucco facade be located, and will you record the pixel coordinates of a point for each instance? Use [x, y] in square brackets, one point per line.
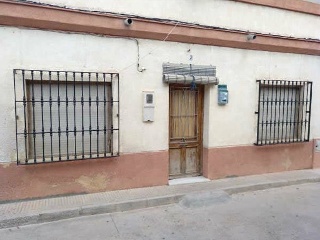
[230, 125]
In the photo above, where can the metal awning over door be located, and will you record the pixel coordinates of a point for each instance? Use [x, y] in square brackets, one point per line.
[189, 73]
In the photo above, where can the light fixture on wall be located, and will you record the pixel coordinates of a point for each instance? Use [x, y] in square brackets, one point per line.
[251, 36]
[128, 21]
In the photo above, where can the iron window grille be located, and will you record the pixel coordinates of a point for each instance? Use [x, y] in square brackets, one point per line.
[284, 111]
[65, 115]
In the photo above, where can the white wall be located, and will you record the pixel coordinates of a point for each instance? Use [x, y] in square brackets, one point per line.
[220, 13]
[314, 1]
[234, 124]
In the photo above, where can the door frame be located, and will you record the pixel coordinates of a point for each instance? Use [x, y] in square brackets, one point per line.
[200, 112]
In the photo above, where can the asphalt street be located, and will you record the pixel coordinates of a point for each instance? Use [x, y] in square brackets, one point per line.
[286, 213]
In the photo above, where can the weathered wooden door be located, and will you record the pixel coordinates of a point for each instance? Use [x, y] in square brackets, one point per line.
[185, 130]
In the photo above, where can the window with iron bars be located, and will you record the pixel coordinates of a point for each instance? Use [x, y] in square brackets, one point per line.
[65, 115]
[284, 111]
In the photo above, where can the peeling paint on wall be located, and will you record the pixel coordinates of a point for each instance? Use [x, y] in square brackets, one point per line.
[5, 165]
[287, 164]
[94, 183]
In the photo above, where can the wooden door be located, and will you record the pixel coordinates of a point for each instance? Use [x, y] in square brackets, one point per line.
[185, 130]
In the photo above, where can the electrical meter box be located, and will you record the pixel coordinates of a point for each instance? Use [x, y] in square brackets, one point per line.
[222, 94]
[148, 106]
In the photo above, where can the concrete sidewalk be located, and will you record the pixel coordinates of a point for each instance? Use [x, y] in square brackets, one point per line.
[52, 209]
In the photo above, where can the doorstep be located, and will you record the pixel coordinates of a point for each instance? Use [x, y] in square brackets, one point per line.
[187, 180]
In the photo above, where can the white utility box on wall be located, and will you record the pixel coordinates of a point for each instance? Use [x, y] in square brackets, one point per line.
[148, 106]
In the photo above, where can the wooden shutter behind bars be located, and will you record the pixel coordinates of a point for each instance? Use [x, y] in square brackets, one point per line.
[78, 117]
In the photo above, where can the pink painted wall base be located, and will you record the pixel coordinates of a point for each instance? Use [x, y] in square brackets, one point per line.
[87, 176]
[250, 160]
[147, 169]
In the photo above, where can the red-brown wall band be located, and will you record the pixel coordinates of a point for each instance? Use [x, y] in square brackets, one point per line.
[248, 160]
[316, 155]
[53, 18]
[147, 169]
[83, 176]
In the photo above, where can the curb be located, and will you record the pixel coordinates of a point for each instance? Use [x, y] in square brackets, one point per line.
[50, 216]
[88, 210]
[264, 186]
